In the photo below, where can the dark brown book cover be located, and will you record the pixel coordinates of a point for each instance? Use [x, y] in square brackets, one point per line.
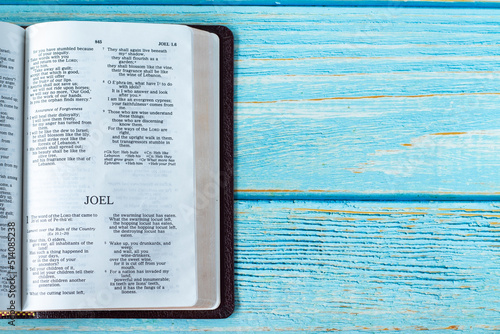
[226, 306]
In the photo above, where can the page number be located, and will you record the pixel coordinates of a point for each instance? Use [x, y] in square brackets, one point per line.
[98, 41]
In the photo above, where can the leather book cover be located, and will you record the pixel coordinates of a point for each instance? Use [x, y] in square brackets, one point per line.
[226, 306]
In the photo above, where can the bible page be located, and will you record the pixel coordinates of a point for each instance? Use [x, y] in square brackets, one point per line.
[109, 167]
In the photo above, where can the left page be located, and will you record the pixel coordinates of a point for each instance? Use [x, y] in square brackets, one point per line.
[11, 152]
[109, 168]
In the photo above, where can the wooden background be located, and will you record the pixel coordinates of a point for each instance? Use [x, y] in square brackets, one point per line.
[367, 154]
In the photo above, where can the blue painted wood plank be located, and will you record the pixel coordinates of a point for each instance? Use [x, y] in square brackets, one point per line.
[308, 3]
[350, 266]
[360, 102]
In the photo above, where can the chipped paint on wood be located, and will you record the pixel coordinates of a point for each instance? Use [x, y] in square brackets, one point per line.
[448, 134]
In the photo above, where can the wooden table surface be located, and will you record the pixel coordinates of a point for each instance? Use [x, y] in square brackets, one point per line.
[367, 154]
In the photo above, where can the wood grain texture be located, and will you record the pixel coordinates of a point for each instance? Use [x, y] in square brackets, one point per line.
[370, 3]
[351, 266]
[368, 102]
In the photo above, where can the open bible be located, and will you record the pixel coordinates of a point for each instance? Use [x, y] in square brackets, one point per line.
[115, 161]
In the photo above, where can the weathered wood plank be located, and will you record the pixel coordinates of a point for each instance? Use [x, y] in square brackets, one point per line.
[385, 3]
[351, 266]
[389, 108]
[361, 102]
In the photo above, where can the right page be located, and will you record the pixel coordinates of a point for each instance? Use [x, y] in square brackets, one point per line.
[110, 196]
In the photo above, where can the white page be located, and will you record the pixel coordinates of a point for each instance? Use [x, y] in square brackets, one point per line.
[11, 134]
[110, 109]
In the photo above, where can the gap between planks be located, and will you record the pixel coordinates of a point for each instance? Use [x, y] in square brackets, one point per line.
[319, 195]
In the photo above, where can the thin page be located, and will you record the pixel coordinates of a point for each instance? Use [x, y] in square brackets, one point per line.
[110, 190]
[11, 153]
